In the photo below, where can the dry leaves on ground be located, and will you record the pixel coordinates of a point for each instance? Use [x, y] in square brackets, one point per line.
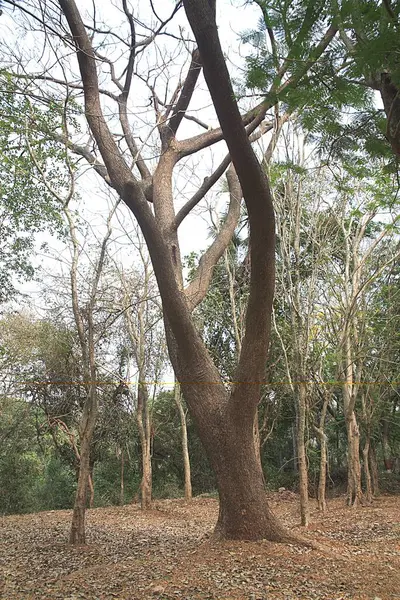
[167, 554]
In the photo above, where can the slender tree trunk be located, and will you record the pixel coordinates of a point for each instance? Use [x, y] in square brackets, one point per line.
[295, 454]
[77, 534]
[374, 469]
[143, 421]
[387, 452]
[323, 460]
[367, 473]
[91, 489]
[354, 490]
[185, 448]
[301, 453]
[323, 467]
[122, 480]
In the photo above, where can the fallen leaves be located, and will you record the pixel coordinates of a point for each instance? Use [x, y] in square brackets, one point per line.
[167, 554]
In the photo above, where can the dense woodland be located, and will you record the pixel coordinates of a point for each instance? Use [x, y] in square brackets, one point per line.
[200, 284]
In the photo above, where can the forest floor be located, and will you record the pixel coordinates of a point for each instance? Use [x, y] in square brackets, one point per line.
[167, 554]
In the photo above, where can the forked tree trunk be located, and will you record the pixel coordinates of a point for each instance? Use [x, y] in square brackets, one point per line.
[77, 533]
[354, 490]
[301, 453]
[185, 447]
[224, 421]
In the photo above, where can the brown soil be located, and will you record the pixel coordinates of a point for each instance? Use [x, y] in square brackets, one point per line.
[167, 553]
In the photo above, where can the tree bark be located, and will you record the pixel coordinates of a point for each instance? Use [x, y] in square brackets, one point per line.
[185, 447]
[91, 489]
[301, 453]
[143, 421]
[77, 533]
[374, 469]
[122, 480]
[354, 490]
[391, 102]
[323, 466]
[323, 460]
[367, 473]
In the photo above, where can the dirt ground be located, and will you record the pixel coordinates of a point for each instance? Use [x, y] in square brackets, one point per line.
[167, 553]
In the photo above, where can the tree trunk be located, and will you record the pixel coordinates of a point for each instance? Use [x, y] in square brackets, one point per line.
[143, 422]
[122, 480]
[391, 102]
[185, 448]
[387, 451]
[354, 490]
[368, 480]
[301, 453]
[224, 421]
[243, 509]
[257, 443]
[323, 460]
[146, 483]
[323, 467]
[374, 469]
[91, 489]
[77, 534]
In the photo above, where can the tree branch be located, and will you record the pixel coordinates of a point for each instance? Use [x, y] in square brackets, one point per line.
[197, 288]
[212, 179]
[186, 93]
[258, 200]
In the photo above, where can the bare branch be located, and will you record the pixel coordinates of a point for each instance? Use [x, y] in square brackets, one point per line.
[212, 180]
[186, 93]
[197, 289]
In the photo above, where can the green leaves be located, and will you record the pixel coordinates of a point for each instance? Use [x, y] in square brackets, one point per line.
[26, 204]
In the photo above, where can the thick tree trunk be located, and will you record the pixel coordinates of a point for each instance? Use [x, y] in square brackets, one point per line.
[301, 454]
[354, 490]
[226, 430]
[185, 447]
[257, 443]
[77, 534]
[243, 510]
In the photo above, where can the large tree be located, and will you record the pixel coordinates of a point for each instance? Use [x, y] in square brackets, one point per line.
[224, 418]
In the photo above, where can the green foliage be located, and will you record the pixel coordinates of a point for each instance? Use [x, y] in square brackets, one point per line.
[26, 205]
[333, 97]
[56, 489]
